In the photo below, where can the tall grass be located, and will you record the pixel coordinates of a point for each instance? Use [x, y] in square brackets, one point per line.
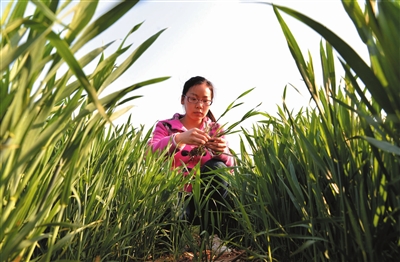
[123, 192]
[323, 184]
[316, 185]
[52, 123]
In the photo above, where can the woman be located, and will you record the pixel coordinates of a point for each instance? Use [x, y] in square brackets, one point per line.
[195, 138]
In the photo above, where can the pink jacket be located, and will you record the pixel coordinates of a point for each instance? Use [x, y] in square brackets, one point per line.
[162, 137]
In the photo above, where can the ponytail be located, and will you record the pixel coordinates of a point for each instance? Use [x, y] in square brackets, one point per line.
[211, 116]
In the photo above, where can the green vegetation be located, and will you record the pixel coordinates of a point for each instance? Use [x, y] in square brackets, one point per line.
[316, 185]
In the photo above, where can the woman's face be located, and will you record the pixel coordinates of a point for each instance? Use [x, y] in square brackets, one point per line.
[197, 111]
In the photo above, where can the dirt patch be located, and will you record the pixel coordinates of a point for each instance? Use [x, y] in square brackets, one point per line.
[232, 256]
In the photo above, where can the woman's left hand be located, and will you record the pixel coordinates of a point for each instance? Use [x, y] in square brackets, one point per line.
[216, 144]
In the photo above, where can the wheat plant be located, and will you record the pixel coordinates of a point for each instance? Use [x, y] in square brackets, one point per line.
[52, 113]
[323, 183]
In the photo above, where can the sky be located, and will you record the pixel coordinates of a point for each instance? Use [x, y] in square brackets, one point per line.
[237, 45]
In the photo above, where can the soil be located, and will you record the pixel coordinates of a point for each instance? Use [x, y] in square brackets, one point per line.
[234, 255]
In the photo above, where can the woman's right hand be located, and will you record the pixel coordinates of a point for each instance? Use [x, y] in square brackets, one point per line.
[193, 136]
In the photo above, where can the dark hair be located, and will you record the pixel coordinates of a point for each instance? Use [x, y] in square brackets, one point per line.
[197, 80]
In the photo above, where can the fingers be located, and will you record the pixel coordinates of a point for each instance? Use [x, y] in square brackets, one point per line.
[202, 136]
[217, 144]
[193, 137]
[198, 137]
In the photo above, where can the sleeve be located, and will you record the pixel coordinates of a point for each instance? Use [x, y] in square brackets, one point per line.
[161, 139]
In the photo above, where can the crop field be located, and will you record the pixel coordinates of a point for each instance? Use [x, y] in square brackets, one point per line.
[321, 184]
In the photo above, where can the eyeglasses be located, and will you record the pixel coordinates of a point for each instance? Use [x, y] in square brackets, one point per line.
[194, 100]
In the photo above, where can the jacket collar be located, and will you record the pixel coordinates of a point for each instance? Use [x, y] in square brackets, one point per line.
[177, 124]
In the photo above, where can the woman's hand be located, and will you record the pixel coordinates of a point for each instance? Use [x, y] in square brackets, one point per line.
[193, 136]
[217, 144]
